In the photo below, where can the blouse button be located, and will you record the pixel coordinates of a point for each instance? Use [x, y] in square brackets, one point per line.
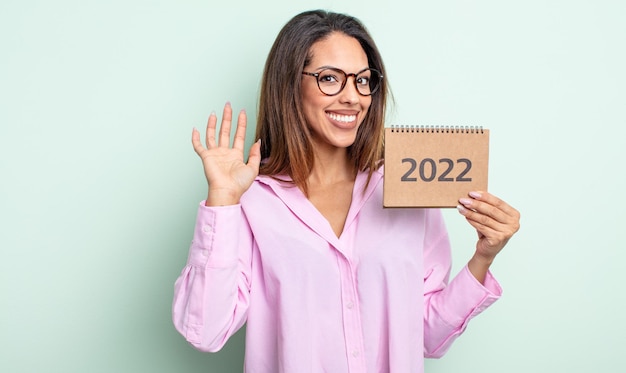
[207, 228]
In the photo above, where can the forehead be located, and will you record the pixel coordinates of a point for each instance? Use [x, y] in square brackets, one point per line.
[338, 50]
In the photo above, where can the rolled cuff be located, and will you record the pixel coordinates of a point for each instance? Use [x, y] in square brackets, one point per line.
[215, 236]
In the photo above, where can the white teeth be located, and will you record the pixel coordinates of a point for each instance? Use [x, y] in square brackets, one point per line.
[342, 118]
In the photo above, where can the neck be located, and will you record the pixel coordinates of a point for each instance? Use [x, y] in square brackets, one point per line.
[331, 167]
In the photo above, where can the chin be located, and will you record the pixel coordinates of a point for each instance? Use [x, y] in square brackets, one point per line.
[344, 143]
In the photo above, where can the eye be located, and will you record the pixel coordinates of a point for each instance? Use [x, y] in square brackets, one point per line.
[328, 77]
[363, 80]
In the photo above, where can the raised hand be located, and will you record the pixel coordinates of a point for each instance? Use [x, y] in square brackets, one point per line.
[226, 172]
[495, 222]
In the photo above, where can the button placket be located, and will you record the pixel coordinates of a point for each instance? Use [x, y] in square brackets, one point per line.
[351, 317]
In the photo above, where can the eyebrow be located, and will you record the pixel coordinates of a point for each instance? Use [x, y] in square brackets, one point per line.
[327, 67]
[337, 68]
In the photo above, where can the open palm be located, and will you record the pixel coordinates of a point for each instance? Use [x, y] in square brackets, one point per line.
[226, 172]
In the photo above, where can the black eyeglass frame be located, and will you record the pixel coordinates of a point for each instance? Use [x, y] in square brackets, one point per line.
[343, 85]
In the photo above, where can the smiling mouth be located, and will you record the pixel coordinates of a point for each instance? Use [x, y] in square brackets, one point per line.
[342, 118]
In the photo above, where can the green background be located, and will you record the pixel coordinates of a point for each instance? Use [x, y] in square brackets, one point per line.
[99, 183]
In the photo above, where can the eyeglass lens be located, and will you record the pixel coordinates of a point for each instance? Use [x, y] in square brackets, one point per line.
[332, 81]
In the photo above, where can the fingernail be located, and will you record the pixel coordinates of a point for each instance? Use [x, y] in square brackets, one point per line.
[461, 209]
[465, 201]
[475, 194]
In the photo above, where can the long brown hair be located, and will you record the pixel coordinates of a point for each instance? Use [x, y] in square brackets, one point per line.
[286, 146]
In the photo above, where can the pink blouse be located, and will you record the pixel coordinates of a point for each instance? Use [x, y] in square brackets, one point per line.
[376, 299]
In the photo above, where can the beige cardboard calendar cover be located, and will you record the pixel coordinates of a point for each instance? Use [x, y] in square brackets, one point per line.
[434, 166]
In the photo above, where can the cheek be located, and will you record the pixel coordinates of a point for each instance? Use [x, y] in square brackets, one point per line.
[314, 103]
[366, 105]
[367, 102]
[310, 99]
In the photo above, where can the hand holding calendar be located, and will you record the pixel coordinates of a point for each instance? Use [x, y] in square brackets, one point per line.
[432, 166]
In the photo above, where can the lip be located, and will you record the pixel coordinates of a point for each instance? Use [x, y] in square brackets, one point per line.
[346, 119]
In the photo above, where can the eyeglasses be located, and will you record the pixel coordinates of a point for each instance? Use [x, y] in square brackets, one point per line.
[331, 80]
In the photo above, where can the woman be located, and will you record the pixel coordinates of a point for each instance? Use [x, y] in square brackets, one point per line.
[295, 242]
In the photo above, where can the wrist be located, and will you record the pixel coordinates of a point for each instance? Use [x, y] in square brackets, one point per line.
[482, 260]
[221, 198]
[479, 266]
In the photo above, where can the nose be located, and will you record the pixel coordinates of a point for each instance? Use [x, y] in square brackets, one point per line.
[349, 93]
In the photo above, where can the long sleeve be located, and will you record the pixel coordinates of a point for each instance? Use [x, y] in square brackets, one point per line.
[375, 299]
[448, 307]
[212, 294]
[452, 308]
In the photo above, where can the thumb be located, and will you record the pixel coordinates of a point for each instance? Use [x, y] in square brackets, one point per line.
[254, 157]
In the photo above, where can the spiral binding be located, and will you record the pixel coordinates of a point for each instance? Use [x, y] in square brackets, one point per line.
[437, 129]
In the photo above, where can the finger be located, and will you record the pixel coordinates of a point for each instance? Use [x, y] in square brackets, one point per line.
[477, 219]
[496, 235]
[489, 227]
[240, 132]
[227, 119]
[483, 223]
[195, 141]
[491, 206]
[481, 212]
[254, 158]
[499, 204]
[210, 131]
[481, 229]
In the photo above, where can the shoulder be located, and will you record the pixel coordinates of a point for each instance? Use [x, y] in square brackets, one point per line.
[275, 183]
[266, 190]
